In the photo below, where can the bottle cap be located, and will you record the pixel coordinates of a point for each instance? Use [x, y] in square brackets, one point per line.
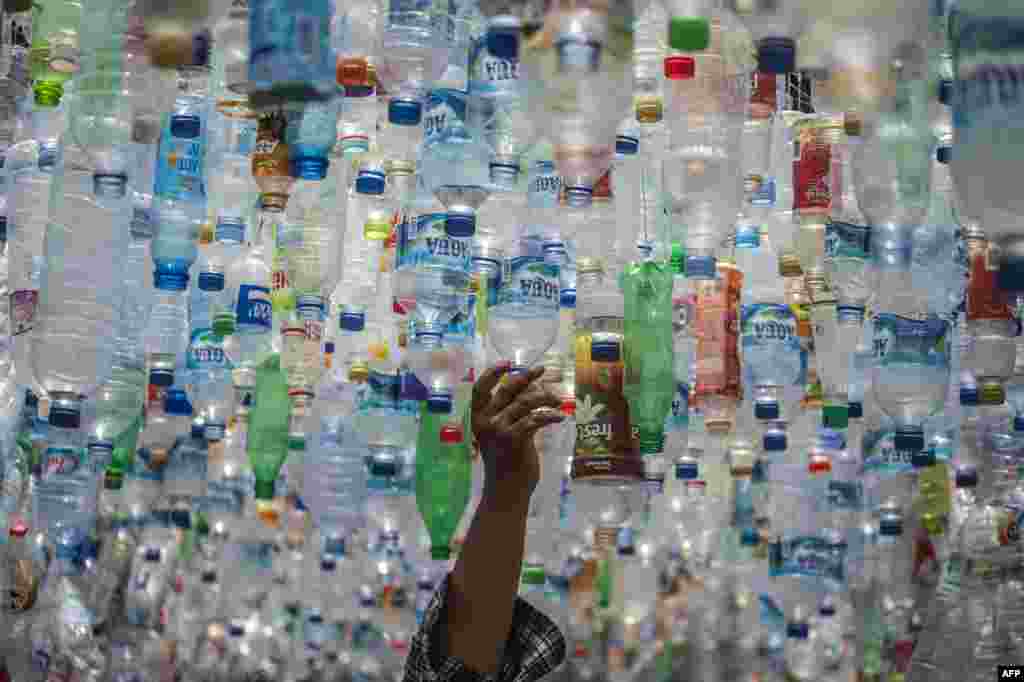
[835, 416]
[329, 347]
[504, 174]
[626, 145]
[460, 225]
[966, 477]
[198, 430]
[1018, 423]
[968, 395]
[370, 182]
[766, 410]
[503, 37]
[991, 393]
[186, 126]
[945, 91]
[176, 403]
[161, 377]
[750, 537]
[701, 267]
[211, 281]
[679, 67]
[264, 490]
[567, 298]
[687, 471]
[775, 441]
[909, 438]
[405, 112]
[579, 196]
[920, 459]
[797, 630]
[689, 34]
[439, 403]
[944, 154]
[65, 417]
[309, 167]
[890, 526]
[605, 351]
[855, 410]
[776, 55]
[171, 275]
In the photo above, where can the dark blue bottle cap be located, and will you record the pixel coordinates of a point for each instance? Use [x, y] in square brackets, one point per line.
[856, 409]
[309, 167]
[31, 399]
[176, 403]
[171, 275]
[328, 564]
[235, 630]
[329, 347]
[605, 351]
[198, 430]
[827, 608]
[388, 466]
[966, 477]
[405, 112]
[687, 471]
[567, 298]
[945, 91]
[701, 267]
[776, 55]
[152, 554]
[65, 417]
[181, 518]
[922, 458]
[944, 153]
[626, 145]
[749, 537]
[797, 630]
[503, 38]
[460, 225]
[211, 281]
[161, 377]
[767, 410]
[890, 527]
[1018, 423]
[439, 403]
[909, 439]
[370, 182]
[968, 395]
[358, 91]
[352, 322]
[186, 126]
[775, 441]
[1011, 273]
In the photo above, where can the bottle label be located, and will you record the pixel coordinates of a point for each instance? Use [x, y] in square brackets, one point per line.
[902, 340]
[532, 282]
[716, 329]
[607, 444]
[881, 458]
[812, 164]
[254, 308]
[424, 241]
[544, 187]
[444, 119]
[846, 240]
[255, 559]
[24, 304]
[270, 154]
[759, 190]
[679, 417]
[489, 74]
[771, 344]
[206, 352]
[149, 464]
[987, 75]
[62, 461]
[846, 495]
[807, 556]
[142, 225]
[179, 172]
[985, 300]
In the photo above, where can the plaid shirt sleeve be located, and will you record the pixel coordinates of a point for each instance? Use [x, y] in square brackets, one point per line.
[535, 647]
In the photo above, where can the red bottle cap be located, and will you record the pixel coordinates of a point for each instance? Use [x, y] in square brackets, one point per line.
[451, 434]
[680, 67]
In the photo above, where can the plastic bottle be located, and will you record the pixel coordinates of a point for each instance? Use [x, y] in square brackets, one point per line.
[413, 55]
[291, 57]
[991, 324]
[443, 478]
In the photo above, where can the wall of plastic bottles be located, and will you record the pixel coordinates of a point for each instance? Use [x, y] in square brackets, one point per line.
[768, 252]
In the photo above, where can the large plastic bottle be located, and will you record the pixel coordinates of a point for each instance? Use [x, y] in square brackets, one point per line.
[291, 56]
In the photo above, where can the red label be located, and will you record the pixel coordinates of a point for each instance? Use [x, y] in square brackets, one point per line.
[812, 165]
[985, 300]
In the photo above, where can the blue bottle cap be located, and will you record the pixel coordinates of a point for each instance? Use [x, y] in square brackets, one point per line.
[856, 409]
[198, 431]
[944, 154]
[329, 347]
[171, 275]
[966, 477]
[111, 185]
[626, 145]
[439, 403]
[152, 554]
[750, 537]
[776, 55]
[370, 182]
[579, 197]
[176, 403]
[687, 471]
[605, 351]
[352, 321]
[504, 174]
[890, 527]
[186, 126]
[797, 630]
[503, 38]
[309, 167]
[235, 630]
[161, 377]
[922, 458]
[968, 395]
[567, 298]
[1018, 423]
[945, 91]
[909, 438]
[388, 467]
[230, 229]
[460, 225]
[64, 417]
[181, 518]
[701, 267]
[767, 410]
[211, 281]
[775, 441]
[31, 399]
[1011, 272]
[358, 91]
[405, 112]
[827, 608]
[328, 564]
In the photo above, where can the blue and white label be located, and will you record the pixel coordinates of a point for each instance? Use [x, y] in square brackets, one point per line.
[488, 73]
[771, 345]
[181, 159]
[532, 282]
[986, 51]
[807, 556]
[62, 461]
[254, 308]
[544, 186]
[907, 341]
[881, 457]
[295, 33]
[846, 240]
[845, 495]
[206, 352]
[425, 241]
[444, 119]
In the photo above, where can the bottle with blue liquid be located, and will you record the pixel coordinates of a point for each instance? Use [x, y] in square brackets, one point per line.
[291, 56]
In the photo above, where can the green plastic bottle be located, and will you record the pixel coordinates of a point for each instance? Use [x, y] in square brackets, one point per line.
[56, 47]
[444, 475]
[649, 384]
[269, 418]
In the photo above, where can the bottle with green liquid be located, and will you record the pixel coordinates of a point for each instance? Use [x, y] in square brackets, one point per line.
[444, 475]
[269, 418]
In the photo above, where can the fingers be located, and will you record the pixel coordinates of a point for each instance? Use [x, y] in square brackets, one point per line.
[508, 391]
[535, 421]
[485, 385]
[526, 403]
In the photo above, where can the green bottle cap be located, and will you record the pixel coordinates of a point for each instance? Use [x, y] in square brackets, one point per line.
[440, 552]
[991, 393]
[835, 416]
[48, 92]
[652, 442]
[689, 34]
[532, 575]
[224, 325]
[678, 258]
[265, 490]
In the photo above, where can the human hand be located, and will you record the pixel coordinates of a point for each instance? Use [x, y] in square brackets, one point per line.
[504, 423]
